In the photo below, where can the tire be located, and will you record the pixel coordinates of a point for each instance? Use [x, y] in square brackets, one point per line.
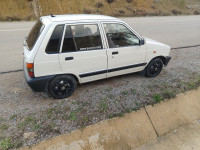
[62, 86]
[154, 68]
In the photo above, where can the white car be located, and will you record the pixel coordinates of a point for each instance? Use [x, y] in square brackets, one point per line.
[64, 50]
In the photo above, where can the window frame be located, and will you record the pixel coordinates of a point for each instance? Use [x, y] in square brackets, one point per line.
[61, 36]
[82, 23]
[121, 23]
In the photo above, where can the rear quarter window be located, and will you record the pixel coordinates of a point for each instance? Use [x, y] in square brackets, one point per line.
[34, 34]
[55, 40]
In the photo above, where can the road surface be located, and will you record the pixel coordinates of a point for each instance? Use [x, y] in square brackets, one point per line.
[176, 31]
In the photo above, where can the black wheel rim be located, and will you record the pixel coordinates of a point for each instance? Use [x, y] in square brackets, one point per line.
[155, 68]
[63, 88]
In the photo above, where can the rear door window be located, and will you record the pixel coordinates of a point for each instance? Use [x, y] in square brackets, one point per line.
[34, 34]
[83, 37]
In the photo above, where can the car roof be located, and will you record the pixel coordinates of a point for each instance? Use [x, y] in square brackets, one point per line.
[77, 17]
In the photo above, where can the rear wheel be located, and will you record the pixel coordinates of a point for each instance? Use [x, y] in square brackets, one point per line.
[154, 68]
[62, 86]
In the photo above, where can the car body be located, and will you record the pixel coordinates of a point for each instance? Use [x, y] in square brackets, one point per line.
[85, 48]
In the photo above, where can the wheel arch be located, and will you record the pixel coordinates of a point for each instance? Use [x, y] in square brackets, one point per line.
[161, 57]
[75, 77]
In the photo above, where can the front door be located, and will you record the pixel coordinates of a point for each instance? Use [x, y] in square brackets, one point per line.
[125, 54]
[83, 53]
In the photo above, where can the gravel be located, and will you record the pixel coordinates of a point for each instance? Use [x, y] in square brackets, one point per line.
[24, 111]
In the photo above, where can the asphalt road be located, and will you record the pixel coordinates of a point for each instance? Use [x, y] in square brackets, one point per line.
[176, 31]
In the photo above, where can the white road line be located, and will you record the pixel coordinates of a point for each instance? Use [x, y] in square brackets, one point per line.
[14, 30]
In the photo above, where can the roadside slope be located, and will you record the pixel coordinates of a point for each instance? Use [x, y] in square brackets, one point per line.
[31, 9]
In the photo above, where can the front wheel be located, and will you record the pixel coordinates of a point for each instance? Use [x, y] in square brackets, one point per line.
[154, 68]
[62, 86]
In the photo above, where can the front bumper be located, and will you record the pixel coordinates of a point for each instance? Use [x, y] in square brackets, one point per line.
[167, 59]
[38, 84]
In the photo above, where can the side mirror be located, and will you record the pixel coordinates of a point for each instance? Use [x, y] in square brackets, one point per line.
[142, 42]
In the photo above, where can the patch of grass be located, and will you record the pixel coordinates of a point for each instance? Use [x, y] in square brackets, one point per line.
[125, 92]
[168, 94]
[13, 117]
[136, 104]
[119, 115]
[73, 116]
[157, 98]
[36, 127]
[4, 127]
[103, 106]
[128, 110]
[110, 96]
[6, 144]
[28, 121]
[50, 112]
[133, 91]
[52, 125]
[85, 103]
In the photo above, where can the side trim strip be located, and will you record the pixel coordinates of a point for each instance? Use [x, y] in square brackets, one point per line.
[93, 73]
[111, 70]
[126, 67]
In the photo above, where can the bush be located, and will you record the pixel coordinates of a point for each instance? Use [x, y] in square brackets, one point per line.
[129, 1]
[176, 12]
[196, 12]
[110, 1]
[88, 10]
[99, 4]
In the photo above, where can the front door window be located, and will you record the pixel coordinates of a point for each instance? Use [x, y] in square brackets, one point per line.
[119, 35]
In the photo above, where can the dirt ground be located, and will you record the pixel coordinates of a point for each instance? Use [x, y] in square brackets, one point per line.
[23, 111]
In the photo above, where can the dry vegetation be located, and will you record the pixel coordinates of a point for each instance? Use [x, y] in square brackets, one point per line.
[16, 10]
[24, 9]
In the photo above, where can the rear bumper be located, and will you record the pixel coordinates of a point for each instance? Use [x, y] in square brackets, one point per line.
[38, 84]
[167, 60]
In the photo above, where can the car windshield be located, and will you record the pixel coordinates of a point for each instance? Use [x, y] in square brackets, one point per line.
[34, 34]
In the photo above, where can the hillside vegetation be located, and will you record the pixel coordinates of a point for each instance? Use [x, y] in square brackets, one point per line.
[31, 9]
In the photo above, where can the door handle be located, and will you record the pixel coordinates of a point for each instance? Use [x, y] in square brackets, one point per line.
[69, 58]
[115, 53]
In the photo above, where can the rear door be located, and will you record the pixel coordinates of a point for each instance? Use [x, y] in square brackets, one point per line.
[83, 52]
[125, 54]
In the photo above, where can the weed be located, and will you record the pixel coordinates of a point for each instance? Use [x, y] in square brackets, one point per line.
[73, 116]
[125, 93]
[36, 127]
[157, 98]
[50, 112]
[128, 110]
[136, 104]
[85, 103]
[52, 125]
[6, 144]
[85, 119]
[168, 94]
[28, 121]
[3, 127]
[13, 117]
[133, 91]
[110, 96]
[119, 115]
[103, 106]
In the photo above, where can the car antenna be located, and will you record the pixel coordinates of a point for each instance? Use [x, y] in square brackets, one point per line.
[52, 15]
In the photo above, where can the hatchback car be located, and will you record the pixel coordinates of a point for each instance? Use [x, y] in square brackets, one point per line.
[64, 50]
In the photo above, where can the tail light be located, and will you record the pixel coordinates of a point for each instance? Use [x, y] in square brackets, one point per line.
[30, 68]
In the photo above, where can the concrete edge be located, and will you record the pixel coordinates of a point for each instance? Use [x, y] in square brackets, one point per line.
[132, 130]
